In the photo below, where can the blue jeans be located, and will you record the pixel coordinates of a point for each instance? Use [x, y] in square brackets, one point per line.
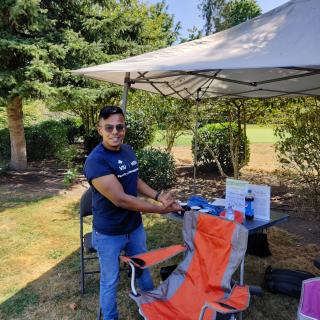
[109, 248]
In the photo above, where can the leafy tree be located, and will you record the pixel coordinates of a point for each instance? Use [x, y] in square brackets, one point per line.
[220, 15]
[238, 11]
[171, 115]
[42, 40]
[223, 14]
[298, 147]
[26, 67]
[194, 33]
[211, 13]
[122, 29]
[214, 139]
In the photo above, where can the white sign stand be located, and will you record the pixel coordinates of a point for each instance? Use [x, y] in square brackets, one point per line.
[236, 191]
[261, 203]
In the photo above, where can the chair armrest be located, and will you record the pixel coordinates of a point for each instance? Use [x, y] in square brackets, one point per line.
[154, 257]
[237, 301]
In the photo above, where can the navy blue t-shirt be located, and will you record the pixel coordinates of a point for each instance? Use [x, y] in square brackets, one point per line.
[108, 218]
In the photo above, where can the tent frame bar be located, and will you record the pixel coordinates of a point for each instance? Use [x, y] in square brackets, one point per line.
[143, 79]
[126, 88]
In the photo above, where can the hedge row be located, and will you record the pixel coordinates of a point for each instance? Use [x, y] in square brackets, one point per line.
[44, 140]
[217, 137]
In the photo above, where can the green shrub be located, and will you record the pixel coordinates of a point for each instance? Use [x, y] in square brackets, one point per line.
[73, 130]
[70, 176]
[217, 137]
[5, 151]
[140, 132]
[67, 155]
[45, 140]
[4, 166]
[298, 145]
[90, 140]
[156, 168]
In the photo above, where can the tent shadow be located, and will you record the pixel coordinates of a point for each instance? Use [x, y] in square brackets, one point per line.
[56, 293]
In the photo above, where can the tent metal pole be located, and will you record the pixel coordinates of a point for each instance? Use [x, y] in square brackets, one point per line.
[195, 163]
[126, 88]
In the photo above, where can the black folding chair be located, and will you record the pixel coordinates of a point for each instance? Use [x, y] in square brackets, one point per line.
[87, 252]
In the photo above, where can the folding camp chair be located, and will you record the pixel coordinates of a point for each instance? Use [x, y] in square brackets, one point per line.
[87, 252]
[199, 288]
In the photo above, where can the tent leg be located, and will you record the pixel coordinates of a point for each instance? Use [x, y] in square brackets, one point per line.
[195, 163]
[126, 88]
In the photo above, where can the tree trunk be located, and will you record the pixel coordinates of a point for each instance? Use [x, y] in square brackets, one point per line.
[17, 139]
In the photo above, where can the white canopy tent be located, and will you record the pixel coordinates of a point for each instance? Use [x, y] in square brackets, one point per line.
[276, 54]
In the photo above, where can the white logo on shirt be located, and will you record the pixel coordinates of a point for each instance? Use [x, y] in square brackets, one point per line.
[119, 161]
[127, 173]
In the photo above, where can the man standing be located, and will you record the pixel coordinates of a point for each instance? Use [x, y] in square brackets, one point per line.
[112, 171]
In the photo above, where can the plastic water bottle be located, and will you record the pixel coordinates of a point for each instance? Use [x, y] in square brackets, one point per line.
[249, 212]
[230, 213]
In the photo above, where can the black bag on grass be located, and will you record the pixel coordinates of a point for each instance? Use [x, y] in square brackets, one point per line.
[285, 281]
[258, 245]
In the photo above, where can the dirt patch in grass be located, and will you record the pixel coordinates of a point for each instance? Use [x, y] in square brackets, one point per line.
[41, 180]
[262, 169]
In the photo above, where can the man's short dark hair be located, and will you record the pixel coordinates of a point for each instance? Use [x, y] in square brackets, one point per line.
[107, 111]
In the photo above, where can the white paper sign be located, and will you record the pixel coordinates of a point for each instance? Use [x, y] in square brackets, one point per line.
[261, 203]
[236, 191]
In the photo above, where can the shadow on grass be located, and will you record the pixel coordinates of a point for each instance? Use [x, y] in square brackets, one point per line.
[56, 294]
[17, 193]
[17, 202]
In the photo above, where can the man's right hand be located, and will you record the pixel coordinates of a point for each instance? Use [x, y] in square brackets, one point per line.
[171, 206]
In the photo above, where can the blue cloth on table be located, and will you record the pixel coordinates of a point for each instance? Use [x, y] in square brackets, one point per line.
[203, 204]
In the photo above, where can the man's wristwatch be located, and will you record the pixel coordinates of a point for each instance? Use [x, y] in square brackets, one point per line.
[157, 195]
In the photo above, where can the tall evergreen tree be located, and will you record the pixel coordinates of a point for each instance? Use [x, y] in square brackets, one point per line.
[42, 40]
[26, 64]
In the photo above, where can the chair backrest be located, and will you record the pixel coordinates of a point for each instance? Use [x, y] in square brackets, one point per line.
[86, 203]
[216, 249]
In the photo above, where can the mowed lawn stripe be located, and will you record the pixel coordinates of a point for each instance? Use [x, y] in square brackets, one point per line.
[34, 238]
[255, 133]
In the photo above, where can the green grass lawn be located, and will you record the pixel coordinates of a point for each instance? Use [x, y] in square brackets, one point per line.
[40, 271]
[256, 134]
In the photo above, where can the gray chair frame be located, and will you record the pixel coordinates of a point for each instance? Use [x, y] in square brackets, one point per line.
[87, 252]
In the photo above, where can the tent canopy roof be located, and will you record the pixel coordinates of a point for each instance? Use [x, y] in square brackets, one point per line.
[275, 54]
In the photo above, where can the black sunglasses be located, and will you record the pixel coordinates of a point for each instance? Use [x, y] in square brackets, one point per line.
[110, 127]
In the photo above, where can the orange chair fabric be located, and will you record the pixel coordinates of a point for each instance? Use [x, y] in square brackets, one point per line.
[156, 256]
[215, 248]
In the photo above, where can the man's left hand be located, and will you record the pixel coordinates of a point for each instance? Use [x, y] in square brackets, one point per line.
[165, 198]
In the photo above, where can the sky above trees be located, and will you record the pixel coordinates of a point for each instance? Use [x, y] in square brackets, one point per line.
[187, 13]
